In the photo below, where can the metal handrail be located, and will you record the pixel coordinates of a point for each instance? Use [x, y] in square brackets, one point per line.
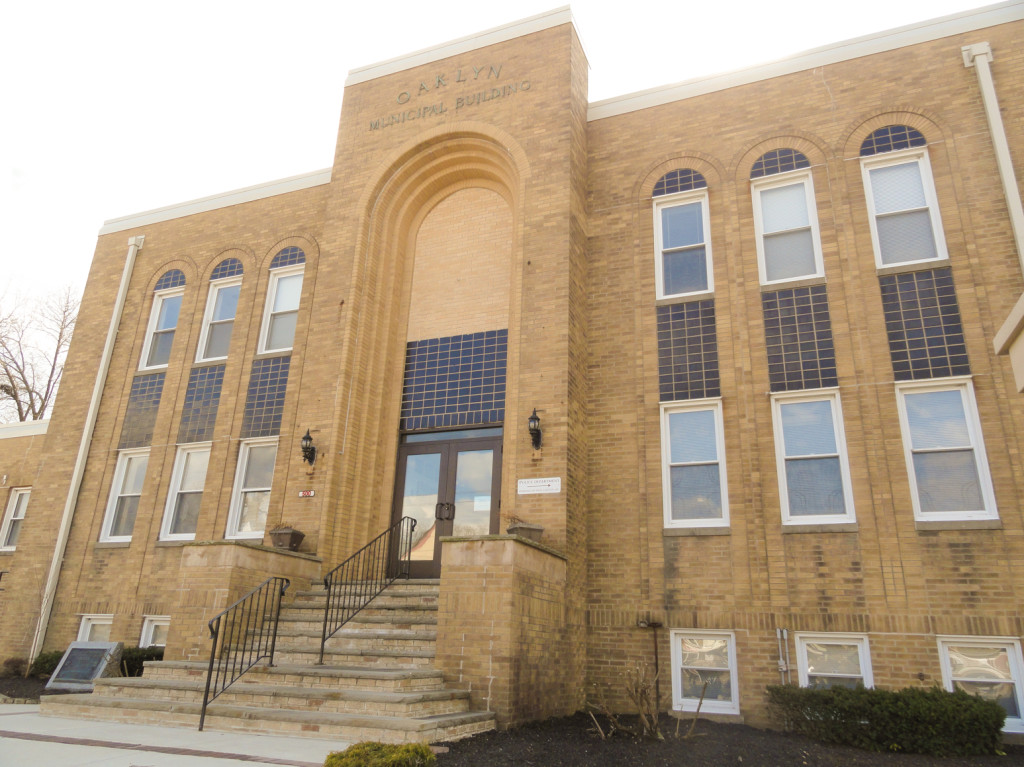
[363, 576]
[247, 631]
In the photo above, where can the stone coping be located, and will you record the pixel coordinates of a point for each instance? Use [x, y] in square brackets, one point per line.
[506, 537]
[258, 546]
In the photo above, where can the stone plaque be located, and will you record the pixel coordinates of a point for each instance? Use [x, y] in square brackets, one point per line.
[83, 662]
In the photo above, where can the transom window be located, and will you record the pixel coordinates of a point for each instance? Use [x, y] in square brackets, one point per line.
[681, 234]
[945, 452]
[903, 209]
[990, 667]
[702, 658]
[833, 660]
[693, 466]
[810, 446]
[786, 223]
[154, 630]
[95, 628]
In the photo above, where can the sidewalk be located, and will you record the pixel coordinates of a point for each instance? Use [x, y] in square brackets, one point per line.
[30, 740]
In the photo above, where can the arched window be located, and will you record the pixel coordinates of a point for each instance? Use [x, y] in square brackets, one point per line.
[282, 310]
[903, 208]
[682, 235]
[221, 307]
[163, 320]
[788, 245]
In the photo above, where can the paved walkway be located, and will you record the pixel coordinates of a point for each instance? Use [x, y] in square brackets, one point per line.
[30, 740]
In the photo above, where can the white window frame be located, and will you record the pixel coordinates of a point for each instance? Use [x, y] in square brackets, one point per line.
[789, 178]
[679, 703]
[14, 506]
[970, 405]
[177, 474]
[211, 302]
[918, 155]
[276, 275]
[672, 201]
[860, 641]
[667, 408]
[244, 448]
[88, 621]
[1014, 657]
[158, 299]
[123, 457]
[813, 395]
[149, 623]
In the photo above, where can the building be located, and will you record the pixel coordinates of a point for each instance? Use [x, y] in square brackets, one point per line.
[768, 321]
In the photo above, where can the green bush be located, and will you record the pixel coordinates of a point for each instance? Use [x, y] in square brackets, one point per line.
[132, 658]
[46, 663]
[14, 667]
[372, 754]
[914, 720]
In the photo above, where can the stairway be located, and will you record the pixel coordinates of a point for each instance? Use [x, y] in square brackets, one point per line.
[377, 681]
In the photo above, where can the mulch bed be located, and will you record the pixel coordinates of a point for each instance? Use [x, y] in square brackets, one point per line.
[22, 687]
[573, 742]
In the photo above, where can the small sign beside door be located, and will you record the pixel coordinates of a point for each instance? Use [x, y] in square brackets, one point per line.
[540, 485]
[307, 493]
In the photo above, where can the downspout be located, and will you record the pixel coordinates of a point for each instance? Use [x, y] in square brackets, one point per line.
[45, 609]
[979, 56]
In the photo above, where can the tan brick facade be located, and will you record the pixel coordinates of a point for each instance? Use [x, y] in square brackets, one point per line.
[478, 191]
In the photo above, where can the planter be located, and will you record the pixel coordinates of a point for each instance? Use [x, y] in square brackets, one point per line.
[526, 530]
[286, 538]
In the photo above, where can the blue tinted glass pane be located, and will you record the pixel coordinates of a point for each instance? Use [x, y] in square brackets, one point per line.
[937, 420]
[815, 486]
[168, 316]
[227, 303]
[807, 428]
[692, 436]
[686, 271]
[682, 225]
[696, 492]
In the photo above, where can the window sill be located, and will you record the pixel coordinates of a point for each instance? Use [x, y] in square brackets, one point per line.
[6, 552]
[959, 524]
[112, 544]
[912, 266]
[167, 544]
[722, 718]
[821, 527]
[681, 532]
[800, 282]
[212, 362]
[688, 298]
[275, 353]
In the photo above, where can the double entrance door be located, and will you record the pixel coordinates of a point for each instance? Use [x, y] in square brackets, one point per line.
[449, 482]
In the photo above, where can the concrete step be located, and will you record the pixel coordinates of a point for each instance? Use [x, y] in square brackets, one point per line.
[296, 698]
[397, 679]
[305, 653]
[224, 717]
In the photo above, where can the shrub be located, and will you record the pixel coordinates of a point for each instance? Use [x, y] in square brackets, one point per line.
[46, 663]
[372, 754]
[132, 658]
[914, 720]
[14, 667]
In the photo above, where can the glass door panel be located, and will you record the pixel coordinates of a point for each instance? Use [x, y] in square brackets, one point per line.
[473, 473]
[419, 501]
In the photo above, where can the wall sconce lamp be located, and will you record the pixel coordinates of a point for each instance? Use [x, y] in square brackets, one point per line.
[533, 424]
[308, 451]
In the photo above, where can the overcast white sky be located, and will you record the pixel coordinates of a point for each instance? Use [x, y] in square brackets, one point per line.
[111, 108]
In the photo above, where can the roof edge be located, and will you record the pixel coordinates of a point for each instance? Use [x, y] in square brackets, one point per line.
[878, 42]
[216, 201]
[505, 32]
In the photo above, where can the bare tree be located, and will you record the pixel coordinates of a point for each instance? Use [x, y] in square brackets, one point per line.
[34, 340]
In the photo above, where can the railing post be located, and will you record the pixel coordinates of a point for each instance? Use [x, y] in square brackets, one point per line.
[214, 631]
